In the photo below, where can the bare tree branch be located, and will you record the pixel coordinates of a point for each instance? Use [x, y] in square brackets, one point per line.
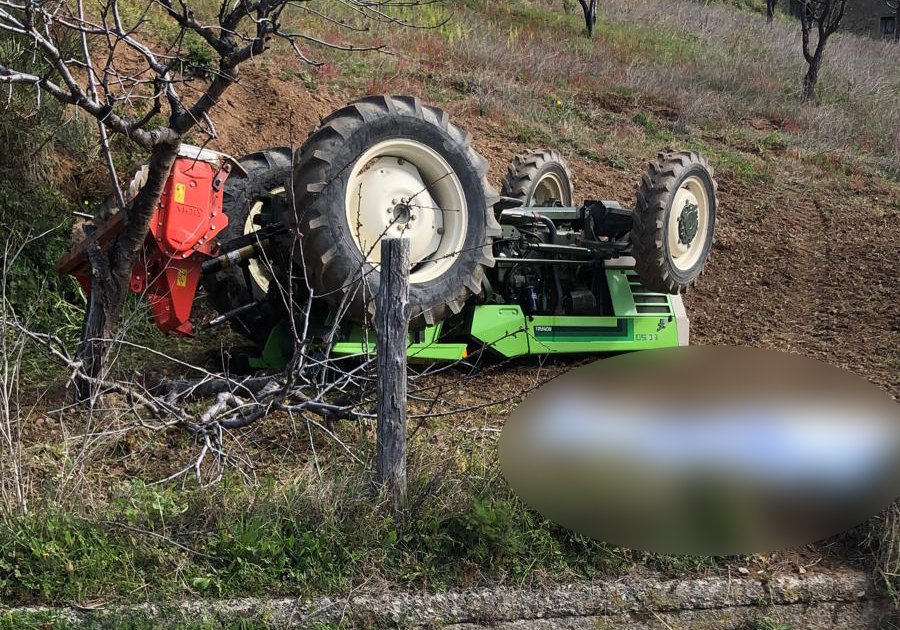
[825, 17]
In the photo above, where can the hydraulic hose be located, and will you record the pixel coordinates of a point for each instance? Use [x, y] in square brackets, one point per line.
[557, 285]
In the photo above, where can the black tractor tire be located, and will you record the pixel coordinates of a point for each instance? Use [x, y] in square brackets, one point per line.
[336, 268]
[529, 170]
[654, 220]
[267, 171]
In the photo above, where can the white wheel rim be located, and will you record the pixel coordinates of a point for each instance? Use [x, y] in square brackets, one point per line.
[690, 198]
[549, 188]
[402, 188]
[258, 271]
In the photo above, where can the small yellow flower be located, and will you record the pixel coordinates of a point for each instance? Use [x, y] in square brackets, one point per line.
[559, 103]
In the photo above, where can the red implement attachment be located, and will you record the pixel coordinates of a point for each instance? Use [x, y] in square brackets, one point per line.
[182, 235]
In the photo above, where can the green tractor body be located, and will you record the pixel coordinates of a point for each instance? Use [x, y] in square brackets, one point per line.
[639, 320]
[556, 279]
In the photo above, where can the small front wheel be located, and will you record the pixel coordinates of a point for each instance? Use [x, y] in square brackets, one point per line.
[674, 221]
[539, 178]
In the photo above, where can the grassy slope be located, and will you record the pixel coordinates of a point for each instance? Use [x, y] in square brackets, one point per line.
[794, 179]
[711, 65]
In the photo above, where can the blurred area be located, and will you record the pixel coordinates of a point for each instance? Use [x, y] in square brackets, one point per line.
[709, 450]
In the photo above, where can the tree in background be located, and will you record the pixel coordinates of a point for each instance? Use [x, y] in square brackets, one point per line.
[100, 61]
[590, 15]
[824, 17]
[770, 9]
[894, 5]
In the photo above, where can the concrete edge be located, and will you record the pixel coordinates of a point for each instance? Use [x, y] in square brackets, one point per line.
[504, 604]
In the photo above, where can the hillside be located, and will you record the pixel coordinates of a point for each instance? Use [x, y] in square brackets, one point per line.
[805, 261]
[810, 194]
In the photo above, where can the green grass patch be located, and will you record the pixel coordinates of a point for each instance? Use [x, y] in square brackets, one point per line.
[164, 620]
[629, 42]
[775, 140]
[356, 72]
[731, 164]
[652, 128]
[311, 536]
[56, 556]
[528, 133]
[616, 161]
[737, 166]
[589, 155]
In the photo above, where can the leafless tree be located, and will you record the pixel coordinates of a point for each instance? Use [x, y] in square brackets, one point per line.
[590, 15]
[129, 81]
[314, 391]
[770, 10]
[12, 347]
[819, 20]
[894, 5]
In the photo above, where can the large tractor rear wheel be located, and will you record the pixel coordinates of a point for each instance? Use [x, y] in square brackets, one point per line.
[391, 166]
[674, 221]
[539, 178]
[243, 201]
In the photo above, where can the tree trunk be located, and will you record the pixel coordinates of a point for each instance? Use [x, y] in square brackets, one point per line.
[812, 77]
[111, 270]
[104, 305]
[589, 7]
[770, 10]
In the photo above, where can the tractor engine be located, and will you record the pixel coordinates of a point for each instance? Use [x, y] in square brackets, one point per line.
[550, 261]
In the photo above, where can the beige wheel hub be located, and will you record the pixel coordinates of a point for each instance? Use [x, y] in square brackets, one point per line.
[402, 188]
[688, 224]
[549, 188]
[256, 266]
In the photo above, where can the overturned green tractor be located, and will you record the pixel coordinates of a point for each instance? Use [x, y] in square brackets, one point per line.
[520, 272]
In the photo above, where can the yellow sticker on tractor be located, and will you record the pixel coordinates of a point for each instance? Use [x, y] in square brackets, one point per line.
[181, 280]
[179, 193]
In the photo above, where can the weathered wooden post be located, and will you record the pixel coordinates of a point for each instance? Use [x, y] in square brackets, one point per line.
[392, 327]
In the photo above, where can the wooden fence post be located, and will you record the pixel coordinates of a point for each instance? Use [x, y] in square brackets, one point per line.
[392, 327]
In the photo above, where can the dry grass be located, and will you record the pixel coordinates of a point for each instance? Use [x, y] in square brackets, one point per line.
[711, 63]
[886, 534]
[749, 68]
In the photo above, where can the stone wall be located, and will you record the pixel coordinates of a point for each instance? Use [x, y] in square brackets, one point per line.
[845, 601]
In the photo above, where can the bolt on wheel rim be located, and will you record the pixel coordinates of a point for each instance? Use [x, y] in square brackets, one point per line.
[402, 188]
[258, 271]
[688, 224]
